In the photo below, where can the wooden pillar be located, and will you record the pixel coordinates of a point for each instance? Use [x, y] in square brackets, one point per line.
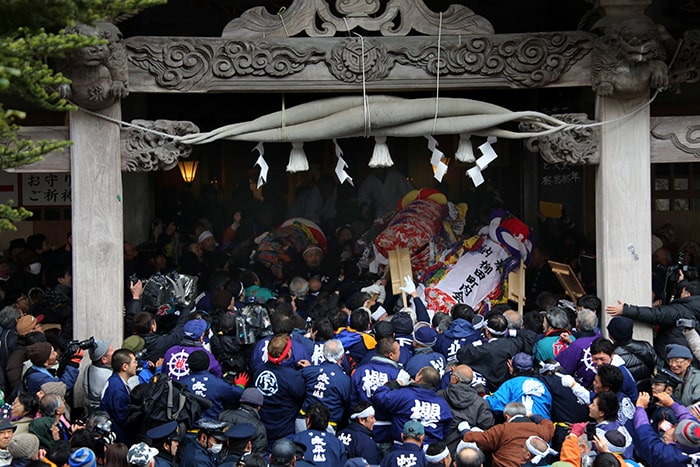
[98, 266]
[623, 206]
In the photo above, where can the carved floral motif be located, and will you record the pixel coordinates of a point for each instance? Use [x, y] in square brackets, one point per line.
[144, 151]
[576, 146]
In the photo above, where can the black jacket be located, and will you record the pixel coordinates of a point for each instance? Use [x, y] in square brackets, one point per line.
[640, 358]
[490, 359]
[666, 316]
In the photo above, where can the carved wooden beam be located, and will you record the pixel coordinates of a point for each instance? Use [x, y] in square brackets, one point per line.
[141, 151]
[191, 64]
[673, 139]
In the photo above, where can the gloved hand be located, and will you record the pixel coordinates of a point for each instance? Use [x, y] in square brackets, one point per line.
[76, 358]
[578, 428]
[464, 426]
[375, 289]
[527, 402]
[403, 378]
[567, 381]
[241, 380]
[410, 287]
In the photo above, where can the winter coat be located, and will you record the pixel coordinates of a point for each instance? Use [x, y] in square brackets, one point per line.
[221, 394]
[247, 414]
[491, 359]
[175, 360]
[466, 406]
[640, 358]
[507, 440]
[328, 383]
[283, 390]
[459, 334]
[666, 316]
[576, 359]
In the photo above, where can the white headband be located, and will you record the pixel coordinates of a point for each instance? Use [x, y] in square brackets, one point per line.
[537, 454]
[437, 457]
[496, 333]
[368, 412]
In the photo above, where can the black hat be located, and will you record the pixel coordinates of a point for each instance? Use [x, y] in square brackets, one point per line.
[240, 431]
[665, 376]
[283, 451]
[198, 360]
[167, 430]
[6, 425]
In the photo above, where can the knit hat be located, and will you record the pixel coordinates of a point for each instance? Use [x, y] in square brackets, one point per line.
[134, 343]
[99, 350]
[312, 247]
[413, 428]
[425, 335]
[194, 328]
[252, 396]
[678, 351]
[26, 324]
[140, 454]
[198, 360]
[402, 323]
[620, 329]
[56, 388]
[522, 362]
[688, 433]
[83, 457]
[204, 235]
[39, 353]
[23, 445]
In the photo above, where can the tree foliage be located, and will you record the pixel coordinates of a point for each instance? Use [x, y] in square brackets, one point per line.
[32, 39]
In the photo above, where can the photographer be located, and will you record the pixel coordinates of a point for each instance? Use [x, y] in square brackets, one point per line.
[43, 356]
[687, 306]
[96, 375]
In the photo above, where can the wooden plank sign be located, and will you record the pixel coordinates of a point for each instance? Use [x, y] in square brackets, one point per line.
[399, 267]
[516, 286]
[568, 280]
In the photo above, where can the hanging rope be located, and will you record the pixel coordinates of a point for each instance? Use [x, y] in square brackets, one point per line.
[437, 86]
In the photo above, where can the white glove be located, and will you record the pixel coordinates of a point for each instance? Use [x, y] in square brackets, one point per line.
[527, 402]
[410, 287]
[463, 426]
[567, 381]
[403, 378]
[374, 289]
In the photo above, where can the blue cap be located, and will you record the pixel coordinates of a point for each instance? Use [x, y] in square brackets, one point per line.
[678, 351]
[413, 428]
[240, 431]
[194, 329]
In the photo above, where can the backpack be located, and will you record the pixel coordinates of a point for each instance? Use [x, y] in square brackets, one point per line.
[167, 400]
[252, 323]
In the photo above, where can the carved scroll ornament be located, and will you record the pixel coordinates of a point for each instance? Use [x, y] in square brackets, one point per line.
[686, 66]
[687, 141]
[576, 146]
[315, 18]
[144, 151]
[192, 64]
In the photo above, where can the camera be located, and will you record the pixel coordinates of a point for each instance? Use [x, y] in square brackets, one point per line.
[686, 323]
[590, 431]
[85, 344]
[141, 354]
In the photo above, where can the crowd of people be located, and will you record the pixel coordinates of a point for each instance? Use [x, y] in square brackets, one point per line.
[329, 368]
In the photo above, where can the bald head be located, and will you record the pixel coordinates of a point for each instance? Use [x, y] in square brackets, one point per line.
[464, 373]
[515, 321]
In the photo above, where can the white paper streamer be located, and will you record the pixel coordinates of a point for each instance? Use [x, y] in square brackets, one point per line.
[489, 155]
[380, 155]
[475, 174]
[341, 165]
[262, 178]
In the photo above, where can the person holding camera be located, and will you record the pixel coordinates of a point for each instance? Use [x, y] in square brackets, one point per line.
[686, 306]
[43, 356]
[96, 375]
